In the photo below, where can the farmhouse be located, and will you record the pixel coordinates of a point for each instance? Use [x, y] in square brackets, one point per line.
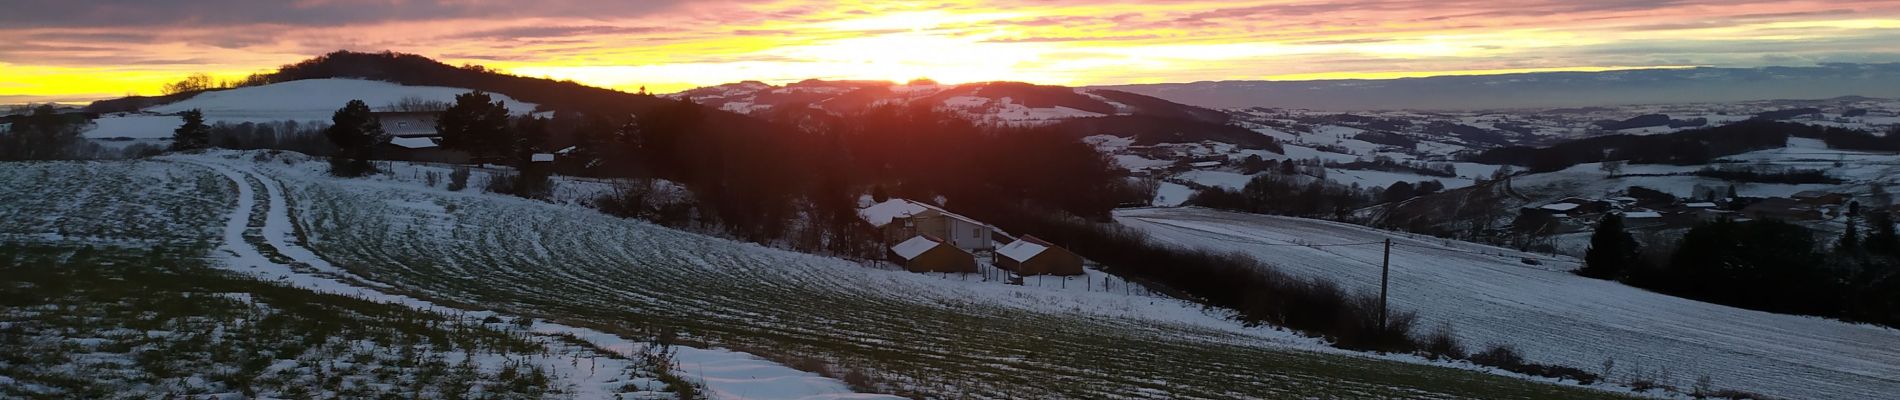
[902, 219]
[924, 253]
[1033, 256]
[1820, 198]
[413, 138]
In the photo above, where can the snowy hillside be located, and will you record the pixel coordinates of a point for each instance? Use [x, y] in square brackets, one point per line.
[1492, 295]
[1544, 89]
[993, 102]
[617, 283]
[304, 101]
[314, 100]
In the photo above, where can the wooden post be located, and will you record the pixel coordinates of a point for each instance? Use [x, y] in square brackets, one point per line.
[1385, 279]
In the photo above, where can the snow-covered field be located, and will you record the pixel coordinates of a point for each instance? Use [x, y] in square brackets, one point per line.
[315, 100]
[1490, 295]
[304, 101]
[618, 283]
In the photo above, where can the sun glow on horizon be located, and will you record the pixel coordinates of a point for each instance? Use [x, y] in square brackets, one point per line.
[1063, 42]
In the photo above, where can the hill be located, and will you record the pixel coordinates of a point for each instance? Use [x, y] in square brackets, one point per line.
[1540, 90]
[625, 284]
[1490, 295]
[991, 102]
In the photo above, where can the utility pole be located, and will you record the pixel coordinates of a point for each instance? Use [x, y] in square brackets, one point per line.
[1385, 279]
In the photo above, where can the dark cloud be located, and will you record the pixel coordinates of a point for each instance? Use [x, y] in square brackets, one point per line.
[211, 13]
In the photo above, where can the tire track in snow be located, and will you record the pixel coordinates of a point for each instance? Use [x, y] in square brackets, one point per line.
[725, 374]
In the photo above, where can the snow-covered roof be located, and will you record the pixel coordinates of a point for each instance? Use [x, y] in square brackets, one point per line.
[1642, 214]
[881, 214]
[413, 142]
[914, 247]
[1700, 205]
[1205, 164]
[568, 150]
[1022, 250]
[1560, 206]
[542, 157]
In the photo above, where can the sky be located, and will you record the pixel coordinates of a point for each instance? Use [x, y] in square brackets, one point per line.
[74, 50]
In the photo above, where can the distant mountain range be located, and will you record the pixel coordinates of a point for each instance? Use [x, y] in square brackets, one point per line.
[996, 102]
[1540, 90]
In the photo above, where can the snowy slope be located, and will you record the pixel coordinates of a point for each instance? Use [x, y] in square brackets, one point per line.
[314, 100]
[1489, 296]
[411, 243]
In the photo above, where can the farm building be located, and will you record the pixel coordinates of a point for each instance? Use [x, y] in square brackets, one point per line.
[902, 219]
[923, 253]
[1819, 198]
[1033, 256]
[413, 138]
[419, 148]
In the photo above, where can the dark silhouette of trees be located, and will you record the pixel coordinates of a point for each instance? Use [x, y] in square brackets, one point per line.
[478, 125]
[356, 133]
[1696, 146]
[191, 84]
[1613, 252]
[44, 134]
[1882, 239]
[193, 134]
[1763, 265]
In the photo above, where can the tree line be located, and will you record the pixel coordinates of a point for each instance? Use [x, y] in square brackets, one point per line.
[1763, 265]
[1696, 146]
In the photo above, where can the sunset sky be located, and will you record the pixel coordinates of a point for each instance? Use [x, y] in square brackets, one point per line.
[77, 50]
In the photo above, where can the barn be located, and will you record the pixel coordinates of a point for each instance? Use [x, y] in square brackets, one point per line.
[413, 138]
[1033, 256]
[924, 253]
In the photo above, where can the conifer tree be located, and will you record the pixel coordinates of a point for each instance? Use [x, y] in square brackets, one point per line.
[356, 132]
[478, 125]
[193, 134]
[1613, 252]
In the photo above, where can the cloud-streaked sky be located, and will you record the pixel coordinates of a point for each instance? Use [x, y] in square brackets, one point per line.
[77, 49]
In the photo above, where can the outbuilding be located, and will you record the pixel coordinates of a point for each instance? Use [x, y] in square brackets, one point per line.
[924, 253]
[1033, 256]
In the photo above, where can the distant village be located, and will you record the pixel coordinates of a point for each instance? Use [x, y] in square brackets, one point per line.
[1645, 209]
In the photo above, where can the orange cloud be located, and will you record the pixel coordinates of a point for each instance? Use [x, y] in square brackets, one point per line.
[671, 45]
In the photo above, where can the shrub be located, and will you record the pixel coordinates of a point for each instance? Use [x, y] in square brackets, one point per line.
[1442, 344]
[458, 179]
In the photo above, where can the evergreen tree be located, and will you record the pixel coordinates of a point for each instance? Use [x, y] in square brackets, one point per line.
[42, 135]
[478, 125]
[1850, 240]
[356, 132]
[193, 134]
[1883, 240]
[1613, 252]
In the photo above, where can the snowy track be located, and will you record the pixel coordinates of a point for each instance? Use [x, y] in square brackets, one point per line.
[1489, 296]
[726, 374]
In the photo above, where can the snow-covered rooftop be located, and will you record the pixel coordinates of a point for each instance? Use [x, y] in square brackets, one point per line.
[881, 214]
[1560, 206]
[1022, 250]
[1642, 214]
[1205, 164]
[914, 247]
[1700, 205]
[542, 157]
[413, 142]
